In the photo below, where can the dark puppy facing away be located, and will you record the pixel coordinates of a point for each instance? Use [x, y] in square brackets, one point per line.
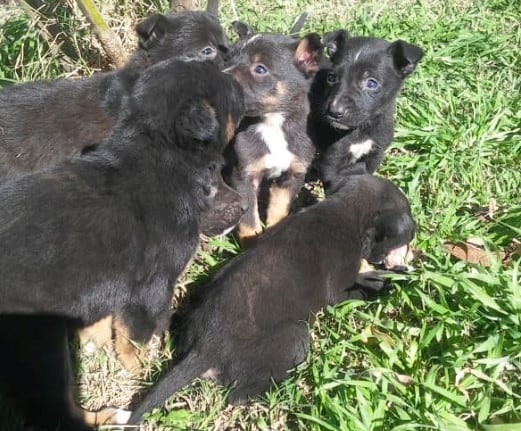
[353, 103]
[110, 231]
[42, 123]
[272, 143]
[250, 324]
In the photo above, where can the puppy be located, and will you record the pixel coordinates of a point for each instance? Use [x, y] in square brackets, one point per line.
[42, 123]
[272, 143]
[250, 324]
[109, 232]
[353, 103]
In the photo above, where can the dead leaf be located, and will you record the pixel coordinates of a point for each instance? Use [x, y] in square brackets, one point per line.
[469, 252]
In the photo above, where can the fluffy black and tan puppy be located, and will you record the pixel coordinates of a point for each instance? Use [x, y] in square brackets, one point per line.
[250, 324]
[354, 102]
[108, 232]
[41, 123]
[272, 143]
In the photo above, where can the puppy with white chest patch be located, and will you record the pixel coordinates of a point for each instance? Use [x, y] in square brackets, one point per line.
[353, 103]
[272, 143]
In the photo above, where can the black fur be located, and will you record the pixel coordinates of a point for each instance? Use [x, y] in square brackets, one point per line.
[109, 232]
[272, 143]
[42, 123]
[250, 324]
[353, 103]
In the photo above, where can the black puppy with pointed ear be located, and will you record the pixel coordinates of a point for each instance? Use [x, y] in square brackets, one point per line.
[272, 145]
[354, 101]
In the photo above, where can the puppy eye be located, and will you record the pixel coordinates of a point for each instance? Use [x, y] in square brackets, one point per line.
[260, 69]
[207, 51]
[371, 83]
[331, 78]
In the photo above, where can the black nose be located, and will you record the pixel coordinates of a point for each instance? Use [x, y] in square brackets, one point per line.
[336, 109]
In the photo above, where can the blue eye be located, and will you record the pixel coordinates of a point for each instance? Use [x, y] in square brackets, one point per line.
[260, 69]
[331, 78]
[207, 51]
[371, 83]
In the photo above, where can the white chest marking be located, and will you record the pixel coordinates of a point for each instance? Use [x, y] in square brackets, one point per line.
[279, 157]
[360, 149]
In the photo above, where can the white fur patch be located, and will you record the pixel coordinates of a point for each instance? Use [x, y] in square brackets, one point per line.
[360, 149]
[279, 158]
[121, 417]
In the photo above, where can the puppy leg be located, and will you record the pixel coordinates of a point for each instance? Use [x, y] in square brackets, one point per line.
[250, 225]
[99, 333]
[135, 325]
[108, 416]
[282, 193]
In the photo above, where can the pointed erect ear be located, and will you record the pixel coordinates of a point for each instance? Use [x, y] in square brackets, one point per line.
[308, 53]
[243, 30]
[405, 57]
[151, 29]
[335, 42]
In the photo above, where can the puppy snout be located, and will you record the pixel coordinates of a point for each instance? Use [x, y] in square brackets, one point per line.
[337, 109]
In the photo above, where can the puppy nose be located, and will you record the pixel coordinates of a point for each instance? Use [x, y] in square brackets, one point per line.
[336, 109]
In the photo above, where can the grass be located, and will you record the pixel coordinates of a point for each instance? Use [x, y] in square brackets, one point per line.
[442, 350]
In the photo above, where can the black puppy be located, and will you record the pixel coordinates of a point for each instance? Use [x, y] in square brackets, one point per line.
[272, 143]
[42, 123]
[110, 231]
[250, 324]
[353, 103]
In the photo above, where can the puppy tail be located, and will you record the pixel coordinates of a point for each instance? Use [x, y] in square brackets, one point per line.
[184, 372]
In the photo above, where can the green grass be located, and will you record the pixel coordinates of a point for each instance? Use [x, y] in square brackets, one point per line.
[442, 350]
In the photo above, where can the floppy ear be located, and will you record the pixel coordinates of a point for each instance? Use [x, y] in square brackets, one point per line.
[308, 53]
[151, 29]
[243, 30]
[335, 42]
[197, 120]
[405, 57]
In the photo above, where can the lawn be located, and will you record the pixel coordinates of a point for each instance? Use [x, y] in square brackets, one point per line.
[442, 349]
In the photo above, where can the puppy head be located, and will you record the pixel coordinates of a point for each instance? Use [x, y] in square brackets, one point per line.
[226, 208]
[365, 77]
[384, 212]
[274, 70]
[189, 35]
[189, 104]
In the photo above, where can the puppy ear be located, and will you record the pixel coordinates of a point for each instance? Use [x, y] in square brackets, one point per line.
[405, 57]
[151, 29]
[197, 120]
[335, 42]
[243, 30]
[308, 53]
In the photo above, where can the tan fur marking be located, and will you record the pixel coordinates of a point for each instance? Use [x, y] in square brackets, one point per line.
[126, 350]
[99, 333]
[278, 207]
[230, 129]
[281, 88]
[257, 166]
[270, 102]
[298, 167]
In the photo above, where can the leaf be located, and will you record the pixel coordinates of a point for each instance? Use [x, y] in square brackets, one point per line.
[469, 252]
